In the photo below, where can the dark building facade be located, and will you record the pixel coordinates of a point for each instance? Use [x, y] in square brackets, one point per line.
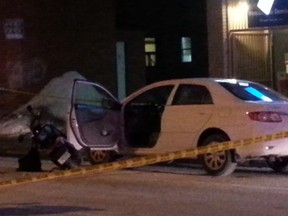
[152, 40]
[168, 23]
[43, 39]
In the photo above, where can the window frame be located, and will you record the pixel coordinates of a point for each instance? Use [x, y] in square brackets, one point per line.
[150, 56]
[186, 49]
[205, 100]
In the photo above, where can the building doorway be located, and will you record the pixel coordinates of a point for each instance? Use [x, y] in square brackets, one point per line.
[251, 56]
[260, 56]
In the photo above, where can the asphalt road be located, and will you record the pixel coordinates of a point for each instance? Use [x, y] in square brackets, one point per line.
[153, 190]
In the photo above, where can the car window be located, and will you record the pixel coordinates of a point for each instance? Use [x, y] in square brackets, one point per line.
[91, 95]
[158, 95]
[192, 94]
[249, 91]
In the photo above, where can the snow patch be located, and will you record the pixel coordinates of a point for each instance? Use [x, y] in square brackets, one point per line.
[53, 100]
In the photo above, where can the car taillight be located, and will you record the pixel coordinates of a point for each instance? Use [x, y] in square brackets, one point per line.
[265, 116]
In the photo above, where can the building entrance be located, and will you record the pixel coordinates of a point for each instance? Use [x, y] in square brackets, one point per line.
[259, 55]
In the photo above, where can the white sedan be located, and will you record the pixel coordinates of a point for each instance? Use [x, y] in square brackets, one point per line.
[180, 114]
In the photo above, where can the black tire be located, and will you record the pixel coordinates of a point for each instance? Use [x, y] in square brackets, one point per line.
[278, 164]
[220, 163]
[98, 157]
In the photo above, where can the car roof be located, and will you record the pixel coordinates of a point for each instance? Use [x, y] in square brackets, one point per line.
[209, 82]
[221, 96]
[204, 81]
[199, 80]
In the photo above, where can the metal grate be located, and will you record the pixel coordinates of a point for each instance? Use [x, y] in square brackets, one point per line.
[251, 56]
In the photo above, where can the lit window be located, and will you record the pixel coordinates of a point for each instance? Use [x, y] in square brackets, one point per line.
[186, 49]
[150, 52]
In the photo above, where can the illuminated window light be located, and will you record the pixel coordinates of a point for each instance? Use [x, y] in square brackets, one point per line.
[243, 7]
[265, 6]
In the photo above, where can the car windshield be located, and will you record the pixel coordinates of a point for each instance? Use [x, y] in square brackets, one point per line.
[250, 91]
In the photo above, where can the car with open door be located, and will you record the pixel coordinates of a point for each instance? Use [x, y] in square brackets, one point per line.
[180, 114]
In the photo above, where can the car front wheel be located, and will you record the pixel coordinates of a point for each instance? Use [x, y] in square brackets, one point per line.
[218, 163]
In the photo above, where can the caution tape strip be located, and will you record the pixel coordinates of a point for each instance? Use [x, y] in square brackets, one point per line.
[146, 160]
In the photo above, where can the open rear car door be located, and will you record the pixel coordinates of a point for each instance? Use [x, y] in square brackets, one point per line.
[95, 116]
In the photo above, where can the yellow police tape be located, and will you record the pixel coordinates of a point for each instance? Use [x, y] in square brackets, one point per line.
[14, 91]
[146, 160]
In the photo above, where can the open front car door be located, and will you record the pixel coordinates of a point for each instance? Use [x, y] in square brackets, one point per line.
[95, 116]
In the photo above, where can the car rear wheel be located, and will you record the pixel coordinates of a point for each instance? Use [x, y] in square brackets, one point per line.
[278, 164]
[97, 157]
[219, 163]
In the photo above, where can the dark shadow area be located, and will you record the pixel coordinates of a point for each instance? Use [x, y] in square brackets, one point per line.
[243, 172]
[186, 166]
[38, 209]
[10, 147]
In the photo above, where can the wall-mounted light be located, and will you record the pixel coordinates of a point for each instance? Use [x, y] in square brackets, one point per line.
[265, 6]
